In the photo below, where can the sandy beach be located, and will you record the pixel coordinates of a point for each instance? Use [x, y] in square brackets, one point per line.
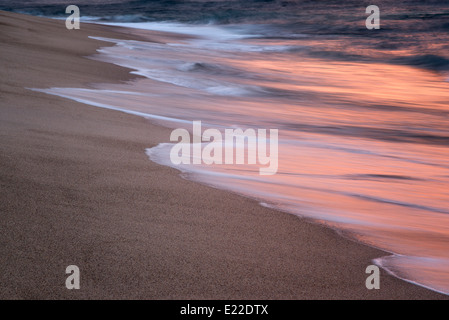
[77, 188]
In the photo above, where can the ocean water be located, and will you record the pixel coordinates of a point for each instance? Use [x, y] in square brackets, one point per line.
[362, 114]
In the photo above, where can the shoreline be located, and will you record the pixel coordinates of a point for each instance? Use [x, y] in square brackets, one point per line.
[79, 189]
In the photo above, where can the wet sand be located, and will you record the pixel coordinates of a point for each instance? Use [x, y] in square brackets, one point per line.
[78, 188]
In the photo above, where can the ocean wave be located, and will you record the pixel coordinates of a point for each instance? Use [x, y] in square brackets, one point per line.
[384, 134]
[427, 61]
[213, 69]
[423, 271]
[381, 177]
[398, 203]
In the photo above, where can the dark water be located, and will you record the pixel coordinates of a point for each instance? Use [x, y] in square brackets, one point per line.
[413, 32]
